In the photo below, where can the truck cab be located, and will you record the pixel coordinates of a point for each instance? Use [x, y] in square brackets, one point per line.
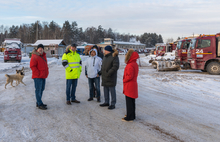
[181, 52]
[12, 50]
[204, 53]
[171, 47]
[160, 50]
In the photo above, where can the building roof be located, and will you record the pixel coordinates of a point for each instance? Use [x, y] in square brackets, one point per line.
[49, 42]
[128, 43]
[125, 43]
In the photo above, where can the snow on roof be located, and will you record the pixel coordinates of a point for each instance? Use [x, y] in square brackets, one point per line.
[10, 41]
[80, 47]
[130, 43]
[48, 42]
[160, 44]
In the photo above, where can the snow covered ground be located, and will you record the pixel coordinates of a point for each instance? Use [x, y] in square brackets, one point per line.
[172, 106]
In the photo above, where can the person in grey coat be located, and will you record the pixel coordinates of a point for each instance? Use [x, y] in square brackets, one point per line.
[110, 65]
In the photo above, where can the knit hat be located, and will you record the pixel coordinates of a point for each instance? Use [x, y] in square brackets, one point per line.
[108, 48]
[40, 46]
[74, 45]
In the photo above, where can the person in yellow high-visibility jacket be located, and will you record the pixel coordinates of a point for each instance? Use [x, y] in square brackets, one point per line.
[73, 65]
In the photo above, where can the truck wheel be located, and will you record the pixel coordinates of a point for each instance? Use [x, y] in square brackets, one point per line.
[213, 68]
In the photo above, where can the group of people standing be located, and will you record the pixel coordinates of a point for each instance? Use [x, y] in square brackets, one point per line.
[96, 66]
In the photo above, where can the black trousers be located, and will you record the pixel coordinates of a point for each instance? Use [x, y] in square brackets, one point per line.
[130, 106]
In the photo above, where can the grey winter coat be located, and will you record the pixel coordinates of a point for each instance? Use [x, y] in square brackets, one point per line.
[110, 65]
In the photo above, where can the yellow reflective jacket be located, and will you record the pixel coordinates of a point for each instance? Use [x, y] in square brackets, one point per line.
[72, 63]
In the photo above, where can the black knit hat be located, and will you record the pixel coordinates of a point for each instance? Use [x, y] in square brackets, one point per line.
[108, 48]
[74, 45]
[40, 46]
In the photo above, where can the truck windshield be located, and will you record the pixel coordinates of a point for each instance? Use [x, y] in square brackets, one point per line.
[186, 45]
[160, 48]
[192, 44]
[179, 44]
[12, 45]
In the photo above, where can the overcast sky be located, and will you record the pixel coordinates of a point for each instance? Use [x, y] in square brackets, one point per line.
[170, 18]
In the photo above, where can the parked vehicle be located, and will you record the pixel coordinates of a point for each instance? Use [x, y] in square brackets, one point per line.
[160, 50]
[181, 52]
[12, 50]
[80, 50]
[204, 53]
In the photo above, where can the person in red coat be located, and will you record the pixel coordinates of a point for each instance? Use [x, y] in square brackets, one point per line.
[39, 67]
[130, 86]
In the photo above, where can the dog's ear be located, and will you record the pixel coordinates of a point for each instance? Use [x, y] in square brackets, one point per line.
[22, 69]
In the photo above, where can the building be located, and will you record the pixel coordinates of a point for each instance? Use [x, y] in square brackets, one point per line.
[27, 48]
[122, 44]
[53, 48]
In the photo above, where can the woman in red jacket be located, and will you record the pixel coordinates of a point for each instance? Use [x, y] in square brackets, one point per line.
[39, 67]
[130, 86]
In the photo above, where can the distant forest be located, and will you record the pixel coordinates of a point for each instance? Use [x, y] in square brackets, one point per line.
[71, 33]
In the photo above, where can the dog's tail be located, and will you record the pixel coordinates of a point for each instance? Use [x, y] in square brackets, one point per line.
[7, 75]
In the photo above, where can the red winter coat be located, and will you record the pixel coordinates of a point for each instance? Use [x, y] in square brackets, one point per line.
[130, 86]
[38, 65]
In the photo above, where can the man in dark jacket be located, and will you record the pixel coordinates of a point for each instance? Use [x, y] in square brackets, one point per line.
[110, 65]
[39, 67]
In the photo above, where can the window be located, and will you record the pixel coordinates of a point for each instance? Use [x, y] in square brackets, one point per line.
[52, 52]
[192, 44]
[160, 48]
[179, 44]
[202, 43]
[186, 45]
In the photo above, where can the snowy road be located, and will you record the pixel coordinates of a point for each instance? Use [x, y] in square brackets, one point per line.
[172, 106]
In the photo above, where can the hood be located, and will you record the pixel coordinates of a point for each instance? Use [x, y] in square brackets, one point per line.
[115, 53]
[67, 48]
[131, 56]
[36, 53]
[95, 52]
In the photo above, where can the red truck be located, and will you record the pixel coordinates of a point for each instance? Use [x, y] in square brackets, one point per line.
[12, 50]
[204, 53]
[160, 50]
[181, 52]
[171, 46]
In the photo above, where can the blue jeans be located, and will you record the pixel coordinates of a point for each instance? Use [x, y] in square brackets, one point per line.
[39, 84]
[113, 95]
[71, 89]
[91, 86]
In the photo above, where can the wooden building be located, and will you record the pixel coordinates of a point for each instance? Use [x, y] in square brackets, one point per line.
[53, 48]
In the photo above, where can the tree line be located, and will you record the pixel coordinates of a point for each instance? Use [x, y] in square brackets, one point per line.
[71, 33]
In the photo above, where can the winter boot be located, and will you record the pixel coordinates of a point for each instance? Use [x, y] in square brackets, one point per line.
[111, 107]
[98, 99]
[42, 107]
[103, 105]
[90, 99]
[68, 102]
